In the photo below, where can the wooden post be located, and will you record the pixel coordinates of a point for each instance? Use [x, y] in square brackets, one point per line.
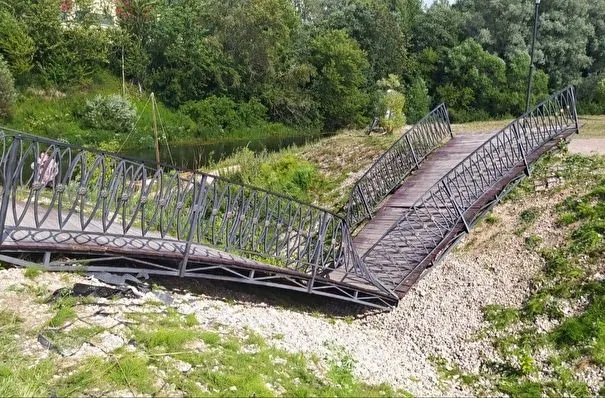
[123, 75]
[155, 129]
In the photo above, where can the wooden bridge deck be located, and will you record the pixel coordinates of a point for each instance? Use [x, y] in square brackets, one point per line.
[438, 164]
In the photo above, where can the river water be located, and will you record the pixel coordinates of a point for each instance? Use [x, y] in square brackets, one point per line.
[196, 155]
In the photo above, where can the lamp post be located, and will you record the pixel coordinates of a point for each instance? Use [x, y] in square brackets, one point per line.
[531, 64]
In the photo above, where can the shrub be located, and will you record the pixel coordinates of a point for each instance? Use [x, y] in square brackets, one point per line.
[390, 104]
[15, 44]
[289, 175]
[218, 115]
[110, 113]
[418, 101]
[7, 89]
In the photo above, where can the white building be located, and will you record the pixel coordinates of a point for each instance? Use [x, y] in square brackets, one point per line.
[105, 10]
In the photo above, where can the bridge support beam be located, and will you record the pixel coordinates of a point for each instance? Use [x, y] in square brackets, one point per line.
[9, 176]
[467, 227]
[407, 139]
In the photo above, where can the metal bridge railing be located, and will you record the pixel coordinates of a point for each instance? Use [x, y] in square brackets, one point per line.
[54, 193]
[395, 164]
[418, 233]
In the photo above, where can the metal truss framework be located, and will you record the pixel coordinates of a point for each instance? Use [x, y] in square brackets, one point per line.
[397, 163]
[114, 214]
[454, 202]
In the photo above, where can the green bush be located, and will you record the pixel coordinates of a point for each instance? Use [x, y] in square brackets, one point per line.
[7, 89]
[110, 113]
[289, 175]
[15, 44]
[418, 101]
[219, 115]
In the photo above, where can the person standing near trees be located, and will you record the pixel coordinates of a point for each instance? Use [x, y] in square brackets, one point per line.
[46, 170]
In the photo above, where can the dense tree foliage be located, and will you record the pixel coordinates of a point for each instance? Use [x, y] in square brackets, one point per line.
[313, 63]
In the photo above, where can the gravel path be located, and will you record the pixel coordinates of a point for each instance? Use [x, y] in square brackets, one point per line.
[587, 146]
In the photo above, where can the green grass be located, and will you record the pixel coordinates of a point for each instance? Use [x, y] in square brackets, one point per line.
[65, 311]
[32, 272]
[491, 219]
[567, 279]
[593, 126]
[20, 376]
[532, 241]
[230, 364]
[171, 339]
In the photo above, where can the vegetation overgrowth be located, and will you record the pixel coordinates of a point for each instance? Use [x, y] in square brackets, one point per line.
[226, 69]
[548, 345]
[167, 351]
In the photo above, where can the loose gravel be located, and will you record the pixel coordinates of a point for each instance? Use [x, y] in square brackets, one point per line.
[438, 318]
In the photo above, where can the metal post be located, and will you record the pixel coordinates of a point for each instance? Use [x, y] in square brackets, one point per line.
[407, 139]
[531, 64]
[9, 177]
[575, 109]
[195, 212]
[457, 207]
[365, 202]
[449, 123]
[516, 133]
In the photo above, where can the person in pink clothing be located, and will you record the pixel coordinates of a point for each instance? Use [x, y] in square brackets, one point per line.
[47, 169]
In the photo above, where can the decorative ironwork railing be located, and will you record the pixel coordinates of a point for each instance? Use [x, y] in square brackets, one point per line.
[71, 192]
[415, 236]
[394, 165]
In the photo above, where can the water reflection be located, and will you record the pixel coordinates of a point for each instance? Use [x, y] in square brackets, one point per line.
[195, 155]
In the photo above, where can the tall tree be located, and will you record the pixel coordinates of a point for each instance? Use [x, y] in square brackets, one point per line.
[565, 32]
[258, 35]
[186, 62]
[472, 80]
[341, 69]
[378, 28]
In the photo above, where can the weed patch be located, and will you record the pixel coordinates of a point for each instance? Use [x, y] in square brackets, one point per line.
[536, 360]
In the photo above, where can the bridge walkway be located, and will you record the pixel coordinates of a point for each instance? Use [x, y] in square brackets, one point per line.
[429, 172]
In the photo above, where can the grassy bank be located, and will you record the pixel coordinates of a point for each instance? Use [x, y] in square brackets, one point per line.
[59, 115]
[552, 344]
[140, 346]
[321, 173]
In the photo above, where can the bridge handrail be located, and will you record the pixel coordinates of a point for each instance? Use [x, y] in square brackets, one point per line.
[135, 198]
[444, 205]
[153, 164]
[396, 163]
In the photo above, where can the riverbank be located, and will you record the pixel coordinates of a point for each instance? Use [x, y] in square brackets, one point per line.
[493, 318]
[63, 115]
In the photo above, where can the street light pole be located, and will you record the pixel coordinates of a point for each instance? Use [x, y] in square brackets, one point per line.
[533, 48]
